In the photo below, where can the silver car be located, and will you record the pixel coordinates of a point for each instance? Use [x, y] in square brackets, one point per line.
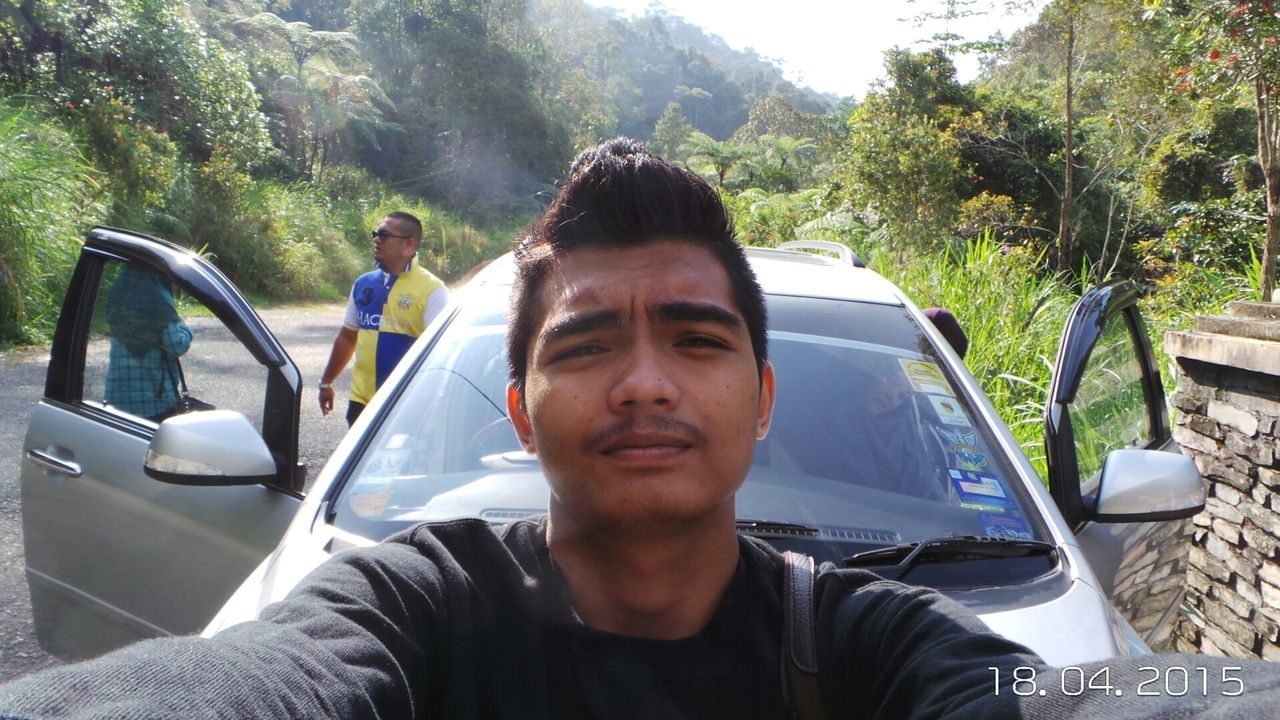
[884, 453]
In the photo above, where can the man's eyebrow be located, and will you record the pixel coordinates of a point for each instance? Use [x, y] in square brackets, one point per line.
[675, 312]
[580, 323]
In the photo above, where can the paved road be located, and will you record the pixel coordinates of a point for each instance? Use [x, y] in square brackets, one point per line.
[306, 332]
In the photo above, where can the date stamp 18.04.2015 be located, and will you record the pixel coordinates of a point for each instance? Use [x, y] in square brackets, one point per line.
[1152, 681]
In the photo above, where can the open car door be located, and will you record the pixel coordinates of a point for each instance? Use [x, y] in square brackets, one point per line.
[1114, 470]
[136, 525]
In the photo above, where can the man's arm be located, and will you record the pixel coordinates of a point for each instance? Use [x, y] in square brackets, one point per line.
[344, 346]
[346, 643]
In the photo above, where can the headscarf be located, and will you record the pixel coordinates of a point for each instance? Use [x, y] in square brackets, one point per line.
[950, 328]
[139, 309]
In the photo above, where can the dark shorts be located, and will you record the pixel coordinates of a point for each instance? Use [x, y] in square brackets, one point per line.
[353, 411]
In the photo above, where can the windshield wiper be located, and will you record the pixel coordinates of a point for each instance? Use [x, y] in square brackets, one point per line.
[900, 559]
[770, 528]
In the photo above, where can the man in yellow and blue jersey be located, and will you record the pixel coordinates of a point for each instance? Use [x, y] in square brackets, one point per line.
[388, 309]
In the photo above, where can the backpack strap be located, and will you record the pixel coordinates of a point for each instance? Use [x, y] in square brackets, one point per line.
[799, 640]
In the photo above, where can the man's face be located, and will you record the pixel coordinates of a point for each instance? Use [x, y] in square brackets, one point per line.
[393, 246]
[889, 389]
[642, 398]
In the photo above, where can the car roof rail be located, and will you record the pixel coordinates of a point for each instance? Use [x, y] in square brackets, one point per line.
[841, 251]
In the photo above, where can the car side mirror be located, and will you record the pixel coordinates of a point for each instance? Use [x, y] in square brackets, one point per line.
[213, 447]
[1146, 485]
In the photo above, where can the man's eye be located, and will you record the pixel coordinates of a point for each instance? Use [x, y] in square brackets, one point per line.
[701, 341]
[577, 352]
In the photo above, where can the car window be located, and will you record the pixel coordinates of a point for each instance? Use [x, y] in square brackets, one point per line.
[1110, 409]
[148, 339]
[871, 442]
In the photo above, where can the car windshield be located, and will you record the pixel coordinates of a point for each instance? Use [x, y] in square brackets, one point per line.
[871, 444]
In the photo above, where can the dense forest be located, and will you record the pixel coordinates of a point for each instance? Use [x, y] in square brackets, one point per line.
[1108, 138]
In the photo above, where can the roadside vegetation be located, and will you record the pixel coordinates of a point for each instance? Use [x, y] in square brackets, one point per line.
[1106, 140]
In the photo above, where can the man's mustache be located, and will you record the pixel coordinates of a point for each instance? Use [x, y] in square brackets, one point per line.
[667, 426]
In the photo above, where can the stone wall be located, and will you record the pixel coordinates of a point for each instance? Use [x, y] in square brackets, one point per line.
[1228, 419]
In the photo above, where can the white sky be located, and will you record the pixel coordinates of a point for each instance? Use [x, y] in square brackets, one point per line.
[833, 46]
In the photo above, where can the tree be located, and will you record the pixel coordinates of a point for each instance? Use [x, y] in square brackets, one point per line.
[671, 131]
[924, 84]
[1119, 112]
[722, 156]
[904, 169]
[775, 116]
[150, 55]
[470, 129]
[779, 163]
[1230, 50]
[323, 93]
[1068, 121]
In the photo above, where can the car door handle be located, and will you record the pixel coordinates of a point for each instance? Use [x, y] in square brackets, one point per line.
[56, 464]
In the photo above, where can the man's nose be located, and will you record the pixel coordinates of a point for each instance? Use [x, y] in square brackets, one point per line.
[644, 380]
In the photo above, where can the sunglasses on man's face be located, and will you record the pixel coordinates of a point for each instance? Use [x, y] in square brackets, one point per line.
[380, 233]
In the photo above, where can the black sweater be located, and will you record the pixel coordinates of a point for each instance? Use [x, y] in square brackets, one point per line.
[451, 620]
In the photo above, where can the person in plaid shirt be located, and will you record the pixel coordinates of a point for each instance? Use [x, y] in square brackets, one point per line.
[147, 336]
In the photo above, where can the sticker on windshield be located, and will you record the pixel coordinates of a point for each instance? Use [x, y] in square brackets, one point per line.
[370, 496]
[980, 491]
[949, 411]
[1005, 526]
[372, 492]
[925, 377]
[964, 444]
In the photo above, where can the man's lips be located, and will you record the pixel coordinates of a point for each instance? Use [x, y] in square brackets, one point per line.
[655, 439]
[646, 443]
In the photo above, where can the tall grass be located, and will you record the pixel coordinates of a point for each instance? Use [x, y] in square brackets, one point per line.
[47, 197]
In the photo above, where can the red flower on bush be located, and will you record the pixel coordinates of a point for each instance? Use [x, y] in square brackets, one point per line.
[1214, 55]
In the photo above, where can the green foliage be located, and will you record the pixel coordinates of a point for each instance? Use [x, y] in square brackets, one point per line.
[275, 241]
[841, 227]
[776, 117]
[1220, 233]
[1201, 161]
[903, 169]
[1228, 50]
[152, 56]
[316, 89]
[314, 257]
[469, 129]
[46, 191]
[672, 131]
[1013, 149]
[777, 163]
[139, 163]
[767, 219]
[1186, 290]
[711, 158]
[924, 84]
[987, 213]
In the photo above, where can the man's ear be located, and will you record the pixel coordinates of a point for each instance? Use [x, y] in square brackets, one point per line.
[519, 417]
[764, 412]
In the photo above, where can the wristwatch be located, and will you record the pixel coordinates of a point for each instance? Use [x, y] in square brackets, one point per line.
[326, 386]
